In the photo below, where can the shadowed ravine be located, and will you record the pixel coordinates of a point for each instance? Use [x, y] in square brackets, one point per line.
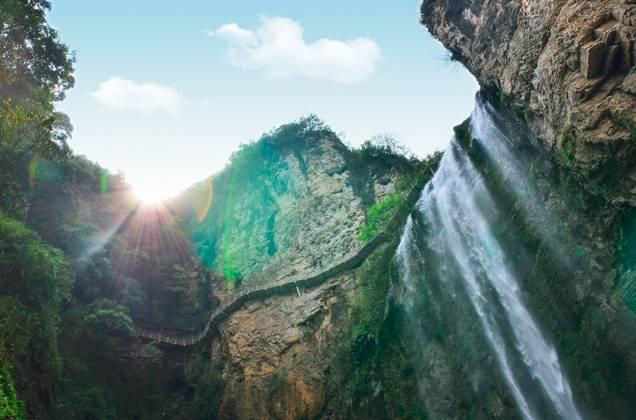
[454, 267]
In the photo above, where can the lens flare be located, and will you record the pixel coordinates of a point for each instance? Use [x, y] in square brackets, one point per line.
[205, 201]
[151, 193]
[42, 171]
[105, 182]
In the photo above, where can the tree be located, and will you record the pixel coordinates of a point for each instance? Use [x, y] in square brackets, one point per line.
[384, 146]
[34, 281]
[31, 55]
[35, 69]
[107, 318]
[29, 138]
[10, 406]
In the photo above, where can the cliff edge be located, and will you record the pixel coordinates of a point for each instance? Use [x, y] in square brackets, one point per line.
[567, 67]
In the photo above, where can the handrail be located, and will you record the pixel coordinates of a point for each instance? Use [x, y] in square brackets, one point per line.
[286, 286]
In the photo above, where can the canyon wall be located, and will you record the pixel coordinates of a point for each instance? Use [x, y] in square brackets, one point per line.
[566, 66]
[288, 206]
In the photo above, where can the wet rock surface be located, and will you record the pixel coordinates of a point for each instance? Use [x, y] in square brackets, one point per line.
[566, 66]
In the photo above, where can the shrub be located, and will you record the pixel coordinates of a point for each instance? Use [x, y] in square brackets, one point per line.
[10, 407]
[106, 317]
[628, 123]
[378, 216]
[35, 281]
[384, 147]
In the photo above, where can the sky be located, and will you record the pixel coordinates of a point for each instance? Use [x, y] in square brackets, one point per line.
[166, 90]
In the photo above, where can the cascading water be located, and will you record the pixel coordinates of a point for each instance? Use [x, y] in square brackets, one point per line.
[456, 270]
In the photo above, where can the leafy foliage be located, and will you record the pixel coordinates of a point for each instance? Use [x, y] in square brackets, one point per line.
[10, 407]
[52, 204]
[34, 280]
[298, 132]
[31, 55]
[27, 132]
[629, 123]
[383, 147]
[376, 364]
[379, 215]
[106, 317]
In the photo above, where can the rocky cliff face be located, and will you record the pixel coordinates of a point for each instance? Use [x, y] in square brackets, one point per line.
[280, 356]
[287, 207]
[289, 204]
[566, 66]
[561, 75]
[293, 204]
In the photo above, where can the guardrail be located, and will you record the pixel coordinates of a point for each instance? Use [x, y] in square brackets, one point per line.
[284, 285]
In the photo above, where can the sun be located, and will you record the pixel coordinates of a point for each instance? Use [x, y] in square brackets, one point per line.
[151, 193]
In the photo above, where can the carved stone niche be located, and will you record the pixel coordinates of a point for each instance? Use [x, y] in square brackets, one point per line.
[592, 55]
[608, 32]
[613, 48]
[627, 35]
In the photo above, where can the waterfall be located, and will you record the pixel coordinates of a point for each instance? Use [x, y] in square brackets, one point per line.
[454, 267]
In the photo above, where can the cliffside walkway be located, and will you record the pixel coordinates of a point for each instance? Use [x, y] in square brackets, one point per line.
[247, 293]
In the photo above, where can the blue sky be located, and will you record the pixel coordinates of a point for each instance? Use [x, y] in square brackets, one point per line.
[165, 92]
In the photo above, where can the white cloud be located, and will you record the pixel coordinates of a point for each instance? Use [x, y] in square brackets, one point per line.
[146, 98]
[234, 34]
[277, 48]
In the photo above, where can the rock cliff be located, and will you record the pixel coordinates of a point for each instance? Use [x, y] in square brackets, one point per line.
[288, 206]
[566, 66]
[560, 75]
[296, 201]
[291, 203]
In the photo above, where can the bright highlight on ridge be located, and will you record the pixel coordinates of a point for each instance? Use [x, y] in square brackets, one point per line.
[151, 193]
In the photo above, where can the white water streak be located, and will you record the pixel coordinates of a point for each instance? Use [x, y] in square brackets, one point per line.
[457, 206]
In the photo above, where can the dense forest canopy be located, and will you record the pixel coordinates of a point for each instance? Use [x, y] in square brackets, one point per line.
[57, 211]
[33, 60]
[79, 258]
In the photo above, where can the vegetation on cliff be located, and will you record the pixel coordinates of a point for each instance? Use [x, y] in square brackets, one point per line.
[82, 264]
[378, 360]
[378, 216]
[217, 230]
[558, 276]
[626, 260]
[65, 305]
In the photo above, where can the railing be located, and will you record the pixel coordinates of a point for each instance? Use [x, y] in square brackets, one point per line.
[284, 285]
